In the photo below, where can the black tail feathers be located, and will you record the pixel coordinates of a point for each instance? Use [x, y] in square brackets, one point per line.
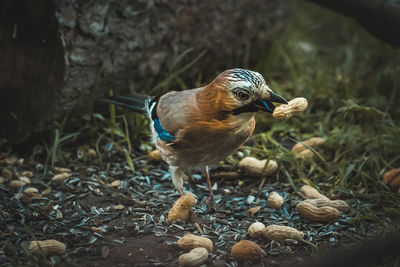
[134, 103]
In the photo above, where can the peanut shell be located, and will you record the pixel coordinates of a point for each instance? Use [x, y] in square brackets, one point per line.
[256, 229]
[246, 250]
[392, 179]
[255, 167]
[338, 204]
[154, 156]
[180, 210]
[312, 142]
[280, 232]
[275, 200]
[294, 106]
[189, 242]
[48, 247]
[313, 213]
[195, 257]
[310, 192]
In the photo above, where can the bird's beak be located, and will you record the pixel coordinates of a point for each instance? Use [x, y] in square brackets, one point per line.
[266, 104]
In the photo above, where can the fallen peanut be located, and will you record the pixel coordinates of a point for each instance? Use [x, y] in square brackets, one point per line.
[312, 142]
[31, 190]
[306, 154]
[294, 106]
[25, 179]
[195, 257]
[154, 156]
[115, 183]
[180, 210]
[256, 229]
[338, 204]
[250, 212]
[61, 170]
[91, 153]
[392, 179]
[280, 232]
[275, 200]
[256, 167]
[310, 192]
[118, 207]
[246, 250]
[17, 183]
[28, 174]
[313, 213]
[48, 247]
[60, 177]
[189, 242]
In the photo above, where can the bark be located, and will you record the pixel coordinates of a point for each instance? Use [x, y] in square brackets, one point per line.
[115, 44]
[31, 68]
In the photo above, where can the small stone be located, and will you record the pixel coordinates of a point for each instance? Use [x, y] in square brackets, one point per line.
[116, 183]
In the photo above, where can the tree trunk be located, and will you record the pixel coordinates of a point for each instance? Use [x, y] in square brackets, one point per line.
[116, 44]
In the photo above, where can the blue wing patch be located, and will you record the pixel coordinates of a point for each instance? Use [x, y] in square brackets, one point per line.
[162, 133]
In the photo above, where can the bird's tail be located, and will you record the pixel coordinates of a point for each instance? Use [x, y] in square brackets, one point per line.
[135, 103]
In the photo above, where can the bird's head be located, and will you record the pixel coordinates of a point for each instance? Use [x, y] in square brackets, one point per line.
[248, 91]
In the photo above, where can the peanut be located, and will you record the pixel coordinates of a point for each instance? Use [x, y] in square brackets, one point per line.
[340, 205]
[313, 213]
[154, 156]
[250, 212]
[180, 210]
[275, 200]
[392, 179]
[256, 229]
[195, 257]
[48, 247]
[31, 190]
[256, 167]
[312, 142]
[17, 183]
[279, 232]
[189, 242]
[310, 192]
[294, 106]
[116, 183]
[246, 250]
[60, 177]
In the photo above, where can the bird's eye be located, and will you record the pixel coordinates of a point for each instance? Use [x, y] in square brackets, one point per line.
[242, 95]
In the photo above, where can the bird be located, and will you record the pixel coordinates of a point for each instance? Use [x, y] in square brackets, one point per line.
[202, 126]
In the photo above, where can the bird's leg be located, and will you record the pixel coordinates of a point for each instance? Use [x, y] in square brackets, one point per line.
[211, 202]
[180, 190]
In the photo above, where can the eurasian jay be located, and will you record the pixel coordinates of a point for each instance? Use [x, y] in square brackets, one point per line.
[200, 127]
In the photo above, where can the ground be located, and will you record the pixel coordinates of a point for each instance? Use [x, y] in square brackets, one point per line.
[81, 212]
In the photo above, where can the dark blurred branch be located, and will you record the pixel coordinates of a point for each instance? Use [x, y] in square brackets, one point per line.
[379, 17]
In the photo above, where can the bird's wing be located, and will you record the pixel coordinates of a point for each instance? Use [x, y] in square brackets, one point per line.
[174, 109]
